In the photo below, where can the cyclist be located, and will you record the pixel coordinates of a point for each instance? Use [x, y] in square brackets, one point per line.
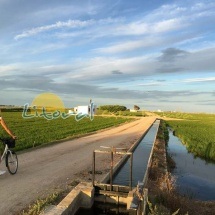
[3, 124]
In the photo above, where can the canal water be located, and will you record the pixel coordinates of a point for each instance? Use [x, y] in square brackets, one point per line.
[194, 176]
[140, 159]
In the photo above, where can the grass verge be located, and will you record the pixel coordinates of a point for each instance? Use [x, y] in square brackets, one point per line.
[53, 199]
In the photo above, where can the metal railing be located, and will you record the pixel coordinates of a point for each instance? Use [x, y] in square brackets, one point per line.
[112, 150]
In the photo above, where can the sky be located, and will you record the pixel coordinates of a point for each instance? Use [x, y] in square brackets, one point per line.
[154, 54]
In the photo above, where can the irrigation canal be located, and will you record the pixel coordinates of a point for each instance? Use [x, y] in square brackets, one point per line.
[194, 176]
[141, 158]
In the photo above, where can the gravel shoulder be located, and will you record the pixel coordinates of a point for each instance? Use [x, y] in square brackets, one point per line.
[46, 169]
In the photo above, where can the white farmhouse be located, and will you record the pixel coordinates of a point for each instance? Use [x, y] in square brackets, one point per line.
[87, 109]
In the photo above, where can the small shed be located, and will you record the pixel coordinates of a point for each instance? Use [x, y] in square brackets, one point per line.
[85, 109]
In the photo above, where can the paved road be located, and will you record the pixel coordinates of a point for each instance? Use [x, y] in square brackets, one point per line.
[43, 170]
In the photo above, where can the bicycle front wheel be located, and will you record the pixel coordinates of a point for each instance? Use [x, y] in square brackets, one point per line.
[12, 162]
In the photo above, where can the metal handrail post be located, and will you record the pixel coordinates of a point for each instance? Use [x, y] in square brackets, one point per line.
[93, 169]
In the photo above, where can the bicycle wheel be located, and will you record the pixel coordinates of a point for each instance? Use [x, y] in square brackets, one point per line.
[11, 162]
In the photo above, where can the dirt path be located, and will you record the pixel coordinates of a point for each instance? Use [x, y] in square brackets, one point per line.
[43, 170]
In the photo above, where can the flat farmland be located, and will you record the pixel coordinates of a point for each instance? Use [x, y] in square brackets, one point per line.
[196, 131]
[38, 131]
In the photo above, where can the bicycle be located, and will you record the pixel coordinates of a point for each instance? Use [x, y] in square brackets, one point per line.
[11, 159]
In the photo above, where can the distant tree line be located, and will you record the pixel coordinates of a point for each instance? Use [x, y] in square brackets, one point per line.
[11, 109]
[113, 108]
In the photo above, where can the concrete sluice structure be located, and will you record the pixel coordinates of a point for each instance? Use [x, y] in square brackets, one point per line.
[117, 194]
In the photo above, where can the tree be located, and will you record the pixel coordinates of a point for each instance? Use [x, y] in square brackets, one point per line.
[113, 108]
[136, 107]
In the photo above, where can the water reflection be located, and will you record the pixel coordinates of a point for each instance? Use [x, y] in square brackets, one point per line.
[195, 176]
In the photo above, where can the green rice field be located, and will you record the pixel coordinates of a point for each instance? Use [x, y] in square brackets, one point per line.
[196, 131]
[38, 131]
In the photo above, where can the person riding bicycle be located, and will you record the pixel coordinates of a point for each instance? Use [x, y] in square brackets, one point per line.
[3, 124]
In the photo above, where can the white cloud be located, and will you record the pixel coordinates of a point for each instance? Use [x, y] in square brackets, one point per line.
[146, 42]
[191, 80]
[8, 69]
[162, 22]
[152, 84]
[121, 47]
[201, 6]
[150, 27]
[100, 69]
[168, 25]
[68, 24]
[57, 25]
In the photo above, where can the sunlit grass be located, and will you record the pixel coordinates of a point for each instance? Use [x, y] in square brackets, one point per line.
[38, 131]
[196, 131]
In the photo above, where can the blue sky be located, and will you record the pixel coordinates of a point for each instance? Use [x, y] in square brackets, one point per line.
[155, 54]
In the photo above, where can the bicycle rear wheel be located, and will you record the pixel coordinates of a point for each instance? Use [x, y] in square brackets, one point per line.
[12, 162]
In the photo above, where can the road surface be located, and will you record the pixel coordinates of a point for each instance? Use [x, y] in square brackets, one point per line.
[43, 170]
